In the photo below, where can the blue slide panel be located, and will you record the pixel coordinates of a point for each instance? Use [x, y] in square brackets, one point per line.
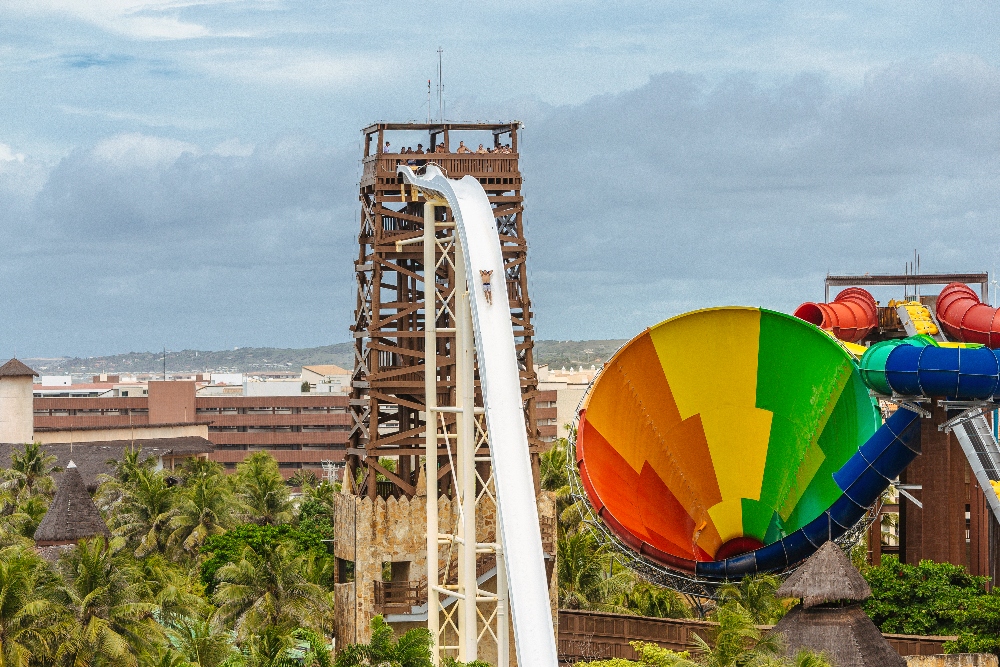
[967, 374]
[901, 370]
[863, 479]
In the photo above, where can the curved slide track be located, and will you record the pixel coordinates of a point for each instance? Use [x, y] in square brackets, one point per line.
[731, 441]
[501, 386]
[965, 373]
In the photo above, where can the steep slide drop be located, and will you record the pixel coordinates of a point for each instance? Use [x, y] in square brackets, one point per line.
[730, 441]
[501, 386]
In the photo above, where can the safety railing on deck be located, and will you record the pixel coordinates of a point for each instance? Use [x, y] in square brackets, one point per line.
[383, 166]
[399, 597]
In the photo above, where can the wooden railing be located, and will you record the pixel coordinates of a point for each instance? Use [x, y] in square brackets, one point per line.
[399, 597]
[590, 635]
[383, 166]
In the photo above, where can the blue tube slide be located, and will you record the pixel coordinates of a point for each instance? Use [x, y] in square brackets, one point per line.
[956, 373]
[862, 479]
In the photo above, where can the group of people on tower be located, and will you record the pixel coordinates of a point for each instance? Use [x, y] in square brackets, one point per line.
[440, 148]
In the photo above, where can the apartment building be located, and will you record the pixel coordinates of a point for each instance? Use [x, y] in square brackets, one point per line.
[299, 431]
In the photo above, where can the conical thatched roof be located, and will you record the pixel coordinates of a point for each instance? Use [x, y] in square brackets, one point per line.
[72, 516]
[827, 576]
[845, 634]
[16, 368]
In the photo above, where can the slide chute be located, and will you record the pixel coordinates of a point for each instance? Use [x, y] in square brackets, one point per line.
[730, 441]
[966, 318]
[850, 316]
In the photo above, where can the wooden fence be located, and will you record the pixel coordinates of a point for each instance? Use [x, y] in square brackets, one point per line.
[589, 635]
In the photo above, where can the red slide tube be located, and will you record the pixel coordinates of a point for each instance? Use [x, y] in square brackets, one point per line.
[966, 318]
[850, 316]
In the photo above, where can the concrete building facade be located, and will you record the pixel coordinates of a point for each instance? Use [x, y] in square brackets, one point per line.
[16, 399]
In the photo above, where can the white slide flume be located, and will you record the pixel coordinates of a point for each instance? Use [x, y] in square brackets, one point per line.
[501, 387]
[981, 449]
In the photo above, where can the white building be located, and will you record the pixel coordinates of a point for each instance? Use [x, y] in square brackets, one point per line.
[17, 412]
[570, 386]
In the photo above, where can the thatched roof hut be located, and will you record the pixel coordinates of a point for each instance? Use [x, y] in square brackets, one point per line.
[72, 516]
[828, 576]
[830, 618]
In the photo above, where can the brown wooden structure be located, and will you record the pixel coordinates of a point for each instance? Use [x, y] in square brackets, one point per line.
[387, 398]
[593, 635]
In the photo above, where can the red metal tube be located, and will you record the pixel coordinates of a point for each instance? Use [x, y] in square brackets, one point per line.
[850, 316]
[966, 318]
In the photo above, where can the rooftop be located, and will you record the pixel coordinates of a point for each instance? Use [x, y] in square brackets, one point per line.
[16, 368]
[827, 576]
[72, 516]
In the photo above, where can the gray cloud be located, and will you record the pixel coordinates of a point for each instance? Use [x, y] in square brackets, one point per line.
[683, 193]
[142, 241]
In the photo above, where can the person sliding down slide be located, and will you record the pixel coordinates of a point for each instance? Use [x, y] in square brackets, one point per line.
[487, 288]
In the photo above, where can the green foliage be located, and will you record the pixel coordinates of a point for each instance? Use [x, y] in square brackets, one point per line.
[229, 547]
[756, 595]
[554, 466]
[650, 655]
[646, 599]
[926, 599]
[586, 575]
[452, 662]
[413, 649]
[267, 586]
[112, 606]
[262, 492]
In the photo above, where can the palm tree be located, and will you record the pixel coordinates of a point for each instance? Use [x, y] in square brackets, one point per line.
[27, 616]
[284, 647]
[740, 643]
[413, 649]
[755, 595]
[143, 510]
[262, 491]
[303, 479]
[112, 605]
[553, 466]
[267, 587]
[194, 469]
[202, 510]
[199, 644]
[647, 599]
[33, 468]
[586, 575]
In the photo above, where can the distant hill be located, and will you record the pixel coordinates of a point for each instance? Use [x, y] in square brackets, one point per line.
[555, 353]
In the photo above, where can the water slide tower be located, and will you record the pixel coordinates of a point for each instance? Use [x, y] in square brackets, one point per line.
[381, 536]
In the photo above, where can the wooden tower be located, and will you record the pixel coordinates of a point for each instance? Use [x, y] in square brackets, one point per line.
[387, 397]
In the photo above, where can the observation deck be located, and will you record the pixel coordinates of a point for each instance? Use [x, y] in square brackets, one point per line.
[497, 172]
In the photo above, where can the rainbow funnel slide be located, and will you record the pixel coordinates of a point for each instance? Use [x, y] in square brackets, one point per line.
[731, 441]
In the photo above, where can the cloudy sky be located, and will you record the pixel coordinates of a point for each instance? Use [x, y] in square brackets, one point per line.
[183, 173]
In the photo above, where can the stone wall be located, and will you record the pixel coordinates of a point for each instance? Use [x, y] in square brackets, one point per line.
[372, 532]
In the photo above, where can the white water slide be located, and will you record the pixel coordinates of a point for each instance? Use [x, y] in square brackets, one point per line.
[479, 242]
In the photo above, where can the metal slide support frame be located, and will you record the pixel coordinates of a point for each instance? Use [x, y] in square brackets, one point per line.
[465, 463]
[431, 417]
[471, 436]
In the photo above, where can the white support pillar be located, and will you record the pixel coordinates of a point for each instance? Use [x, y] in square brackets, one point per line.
[431, 417]
[466, 464]
[503, 610]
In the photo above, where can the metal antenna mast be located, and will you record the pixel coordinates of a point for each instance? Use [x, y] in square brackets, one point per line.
[440, 52]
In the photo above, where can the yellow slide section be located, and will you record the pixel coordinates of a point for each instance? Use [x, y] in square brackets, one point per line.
[723, 390]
